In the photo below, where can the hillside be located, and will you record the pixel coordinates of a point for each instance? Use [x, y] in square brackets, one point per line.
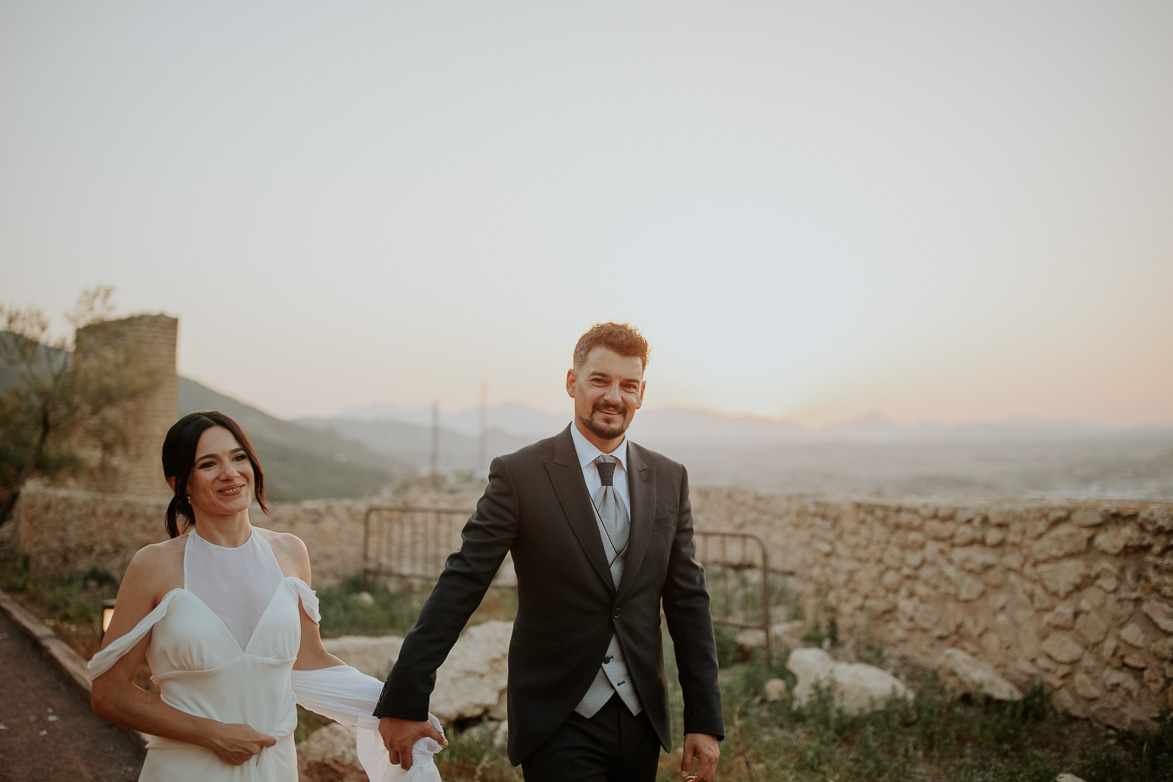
[301, 463]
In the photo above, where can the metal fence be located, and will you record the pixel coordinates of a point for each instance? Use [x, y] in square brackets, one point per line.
[410, 542]
[414, 542]
[737, 572]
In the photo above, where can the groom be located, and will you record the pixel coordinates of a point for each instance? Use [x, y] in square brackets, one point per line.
[600, 530]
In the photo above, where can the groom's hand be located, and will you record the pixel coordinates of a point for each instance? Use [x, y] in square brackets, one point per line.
[704, 750]
[399, 736]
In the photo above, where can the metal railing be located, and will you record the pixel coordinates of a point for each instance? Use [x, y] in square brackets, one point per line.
[737, 573]
[410, 542]
[414, 542]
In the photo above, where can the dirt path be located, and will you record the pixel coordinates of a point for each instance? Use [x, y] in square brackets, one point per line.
[47, 731]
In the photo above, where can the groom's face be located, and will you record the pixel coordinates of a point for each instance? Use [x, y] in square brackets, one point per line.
[608, 388]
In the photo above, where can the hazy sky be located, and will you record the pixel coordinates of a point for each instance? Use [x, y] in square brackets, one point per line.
[814, 210]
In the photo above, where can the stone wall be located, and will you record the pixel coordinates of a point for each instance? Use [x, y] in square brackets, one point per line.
[1077, 594]
[64, 531]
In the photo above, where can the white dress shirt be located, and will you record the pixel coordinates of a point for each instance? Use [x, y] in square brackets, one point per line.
[587, 453]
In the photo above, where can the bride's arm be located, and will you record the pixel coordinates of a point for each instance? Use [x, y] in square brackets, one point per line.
[116, 697]
[294, 559]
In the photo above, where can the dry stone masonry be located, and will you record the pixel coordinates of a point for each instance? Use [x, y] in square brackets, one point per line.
[1076, 594]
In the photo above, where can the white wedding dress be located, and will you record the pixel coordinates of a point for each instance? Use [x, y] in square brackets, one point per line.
[223, 646]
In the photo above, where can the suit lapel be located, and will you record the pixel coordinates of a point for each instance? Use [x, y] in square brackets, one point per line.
[641, 484]
[566, 476]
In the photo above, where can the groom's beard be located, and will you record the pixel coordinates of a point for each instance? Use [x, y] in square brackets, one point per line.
[607, 431]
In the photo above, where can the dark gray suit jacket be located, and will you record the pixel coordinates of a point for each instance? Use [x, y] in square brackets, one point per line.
[537, 507]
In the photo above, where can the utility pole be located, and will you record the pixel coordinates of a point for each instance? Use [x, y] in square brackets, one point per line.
[483, 456]
[435, 437]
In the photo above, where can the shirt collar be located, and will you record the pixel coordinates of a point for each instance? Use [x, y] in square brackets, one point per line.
[588, 452]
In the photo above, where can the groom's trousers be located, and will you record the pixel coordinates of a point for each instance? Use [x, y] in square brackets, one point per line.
[612, 746]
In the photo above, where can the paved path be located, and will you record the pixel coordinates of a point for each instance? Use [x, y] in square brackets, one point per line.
[47, 731]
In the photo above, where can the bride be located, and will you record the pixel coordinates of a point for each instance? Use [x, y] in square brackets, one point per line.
[224, 616]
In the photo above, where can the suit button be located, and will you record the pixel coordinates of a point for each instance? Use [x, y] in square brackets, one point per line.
[618, 611]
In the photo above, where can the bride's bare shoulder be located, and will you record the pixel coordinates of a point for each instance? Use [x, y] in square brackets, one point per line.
[291, 553]
[158, 567]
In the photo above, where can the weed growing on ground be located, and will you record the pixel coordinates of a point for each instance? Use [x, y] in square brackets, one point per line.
[71, 606]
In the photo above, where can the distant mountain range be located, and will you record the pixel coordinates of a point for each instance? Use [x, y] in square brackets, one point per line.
[301, 462]
[684, 425]
[871, 455]
[367, 451]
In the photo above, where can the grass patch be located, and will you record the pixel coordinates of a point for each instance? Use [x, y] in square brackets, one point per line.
[375, 607]
[70, 606]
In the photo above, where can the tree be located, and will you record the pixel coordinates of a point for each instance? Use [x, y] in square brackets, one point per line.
[48, 402]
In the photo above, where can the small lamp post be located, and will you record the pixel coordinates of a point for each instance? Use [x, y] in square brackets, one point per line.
[107, 614]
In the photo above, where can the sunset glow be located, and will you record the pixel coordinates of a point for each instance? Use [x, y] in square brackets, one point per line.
[814, 212]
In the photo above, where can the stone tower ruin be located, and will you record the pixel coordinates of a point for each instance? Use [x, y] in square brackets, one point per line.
[124, 459]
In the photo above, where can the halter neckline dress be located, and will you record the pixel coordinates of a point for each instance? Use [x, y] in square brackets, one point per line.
[223, 646]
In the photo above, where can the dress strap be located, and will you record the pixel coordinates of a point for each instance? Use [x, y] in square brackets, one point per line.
[309, 599]
[105, 659]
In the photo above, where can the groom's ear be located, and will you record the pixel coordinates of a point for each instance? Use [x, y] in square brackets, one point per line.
[571, 378]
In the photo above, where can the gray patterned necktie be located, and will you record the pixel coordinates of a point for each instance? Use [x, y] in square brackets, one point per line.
[609, 506]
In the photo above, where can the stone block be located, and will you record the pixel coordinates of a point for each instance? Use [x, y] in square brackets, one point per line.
[992, 645]
[1086, 687]
[1091, 627]
[1134, 635]
[1029, 644]
[1121, 680]
[1041, 599]
[1135, 660]
[1157, 520]
[1060, 543]
[971, 676]
[1118, 539]
[1062, 648]
[891, 580]
[1063, 578]
[940, 530]
[1155, 681]
[909, 519]
[964, 535]
[976, 559]
[1062, 618]
[1092, 599]
[927, 616]
[1162, 648]
[971, 589]
[995, 536]
[1160, 612]
[1087, 517]
[1067, 703]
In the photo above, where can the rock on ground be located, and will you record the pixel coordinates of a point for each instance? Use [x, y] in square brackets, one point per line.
[472, 681]
[329, 756]
[855, 686]
[970, 676]
[372, 656]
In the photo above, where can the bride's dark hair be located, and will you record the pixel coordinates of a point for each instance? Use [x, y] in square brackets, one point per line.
[179, 452]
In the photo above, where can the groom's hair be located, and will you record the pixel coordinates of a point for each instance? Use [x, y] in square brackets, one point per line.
[623, 338]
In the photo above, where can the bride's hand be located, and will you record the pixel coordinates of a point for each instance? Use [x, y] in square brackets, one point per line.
[235, 743]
